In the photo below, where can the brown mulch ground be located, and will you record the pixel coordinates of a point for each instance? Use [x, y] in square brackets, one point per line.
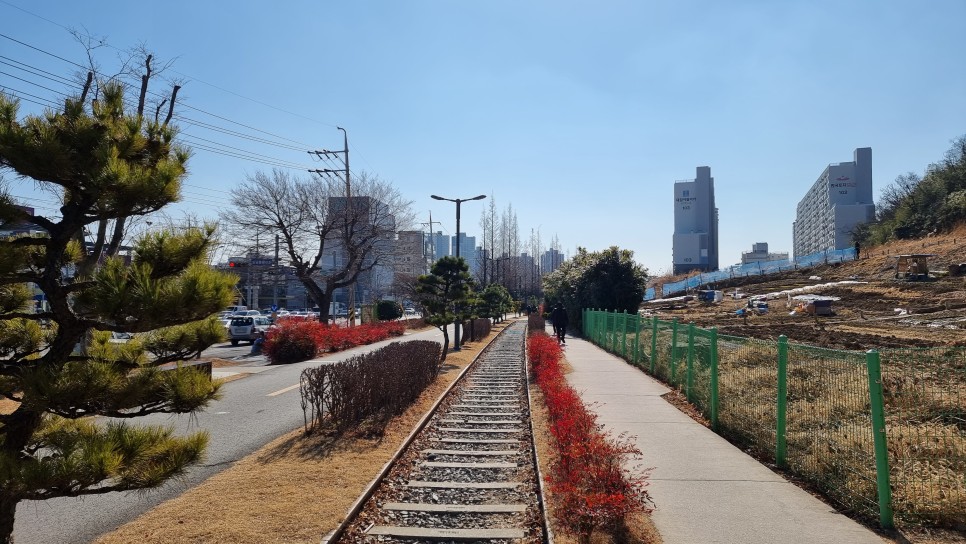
[866, 315]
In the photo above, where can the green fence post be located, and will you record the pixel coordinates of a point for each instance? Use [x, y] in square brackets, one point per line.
[613, 334]
[872, 363]
[583, 322]
[781, 444]
[714, 378]
[637, 338]
[674, 350]
[653, 343]
[689, 379]
[624, 317]
[602, 317]
[601, 324]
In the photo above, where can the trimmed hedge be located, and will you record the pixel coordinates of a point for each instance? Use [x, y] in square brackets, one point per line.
[476, 329]
[374, 385]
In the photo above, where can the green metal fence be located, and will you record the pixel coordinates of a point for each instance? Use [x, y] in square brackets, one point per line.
[829, 437]
[925, 412]
[882, 434]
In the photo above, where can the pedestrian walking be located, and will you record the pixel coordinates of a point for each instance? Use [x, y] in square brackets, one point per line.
[559, 318]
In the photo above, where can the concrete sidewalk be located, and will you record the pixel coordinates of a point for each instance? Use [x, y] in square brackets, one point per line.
[705, 489]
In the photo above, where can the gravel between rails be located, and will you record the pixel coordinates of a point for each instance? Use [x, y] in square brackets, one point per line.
[469, 476]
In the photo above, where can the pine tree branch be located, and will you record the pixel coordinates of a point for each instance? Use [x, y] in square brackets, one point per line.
[21, 277]
[26, 240]
[174, 96]
[115, 244]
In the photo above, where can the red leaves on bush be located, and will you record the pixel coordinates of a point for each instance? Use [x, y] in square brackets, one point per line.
[591, 487]
[294, 340]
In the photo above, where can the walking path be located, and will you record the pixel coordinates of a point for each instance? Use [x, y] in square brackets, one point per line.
[706, 490]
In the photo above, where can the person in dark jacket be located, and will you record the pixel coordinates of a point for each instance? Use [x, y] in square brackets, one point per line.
[559, 318]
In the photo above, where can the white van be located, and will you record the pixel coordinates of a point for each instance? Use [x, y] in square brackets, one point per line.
[233, 309]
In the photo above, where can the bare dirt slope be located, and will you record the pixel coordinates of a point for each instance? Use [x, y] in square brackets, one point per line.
[883, 312]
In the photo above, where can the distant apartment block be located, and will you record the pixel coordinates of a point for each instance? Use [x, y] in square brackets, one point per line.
[551, 260]
[695, 241]
[759, 253]
[467, 251]
[409, 253]
[839, 200]
[439, 245]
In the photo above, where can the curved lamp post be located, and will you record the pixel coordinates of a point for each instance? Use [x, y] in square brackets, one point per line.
[458, 201]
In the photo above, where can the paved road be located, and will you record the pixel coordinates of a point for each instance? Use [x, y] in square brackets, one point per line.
[252, 412]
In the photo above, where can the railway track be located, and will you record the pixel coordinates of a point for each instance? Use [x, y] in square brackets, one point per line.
[469, 475]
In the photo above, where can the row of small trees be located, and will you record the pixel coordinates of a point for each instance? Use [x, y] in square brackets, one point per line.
[447, 293]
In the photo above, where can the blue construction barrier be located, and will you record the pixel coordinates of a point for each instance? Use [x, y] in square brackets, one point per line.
[754, 269]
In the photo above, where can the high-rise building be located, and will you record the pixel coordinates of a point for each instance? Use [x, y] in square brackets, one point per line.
[551, 260]
[467, 251]
[370, 219]
[838, 201]
[695, 241]
[439, 245]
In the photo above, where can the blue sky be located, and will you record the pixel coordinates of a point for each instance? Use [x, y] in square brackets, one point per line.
[580, 115]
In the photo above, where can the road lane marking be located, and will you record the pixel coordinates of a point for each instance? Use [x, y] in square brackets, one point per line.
[280, 391]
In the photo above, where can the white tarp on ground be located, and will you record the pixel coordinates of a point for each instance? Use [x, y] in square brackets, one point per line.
[807, 289]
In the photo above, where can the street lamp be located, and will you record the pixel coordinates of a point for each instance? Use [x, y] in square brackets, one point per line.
[458, 201]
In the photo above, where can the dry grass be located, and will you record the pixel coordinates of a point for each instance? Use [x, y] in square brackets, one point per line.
[294, 489]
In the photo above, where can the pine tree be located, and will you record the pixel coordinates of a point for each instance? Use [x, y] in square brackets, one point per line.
[57, 363]
[444, 293]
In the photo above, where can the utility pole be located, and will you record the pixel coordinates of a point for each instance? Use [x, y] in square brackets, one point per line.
[348, 206]
[275, 276]
[432, 237]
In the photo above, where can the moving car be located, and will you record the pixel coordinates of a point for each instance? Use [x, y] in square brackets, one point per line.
[247, 328]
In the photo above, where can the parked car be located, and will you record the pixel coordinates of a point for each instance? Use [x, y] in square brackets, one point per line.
[247, 328]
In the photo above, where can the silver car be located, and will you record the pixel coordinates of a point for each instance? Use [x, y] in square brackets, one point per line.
[247, 328]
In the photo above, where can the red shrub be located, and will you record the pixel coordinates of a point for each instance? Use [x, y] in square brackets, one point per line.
[294, 340]
[592, 488]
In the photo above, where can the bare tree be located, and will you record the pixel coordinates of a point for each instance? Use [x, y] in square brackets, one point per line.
[894, 194]
[137, 64]
[313, 219]
[489, 225]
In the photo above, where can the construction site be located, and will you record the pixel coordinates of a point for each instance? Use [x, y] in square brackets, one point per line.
[904, 294]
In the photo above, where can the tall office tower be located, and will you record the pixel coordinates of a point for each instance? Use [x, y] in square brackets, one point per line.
[695, 242]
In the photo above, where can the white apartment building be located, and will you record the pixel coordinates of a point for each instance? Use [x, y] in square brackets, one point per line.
[840, 199]
[695, 241]
[759, 253]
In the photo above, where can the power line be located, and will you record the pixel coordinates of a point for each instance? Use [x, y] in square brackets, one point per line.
[301, 116]
[185, 105]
